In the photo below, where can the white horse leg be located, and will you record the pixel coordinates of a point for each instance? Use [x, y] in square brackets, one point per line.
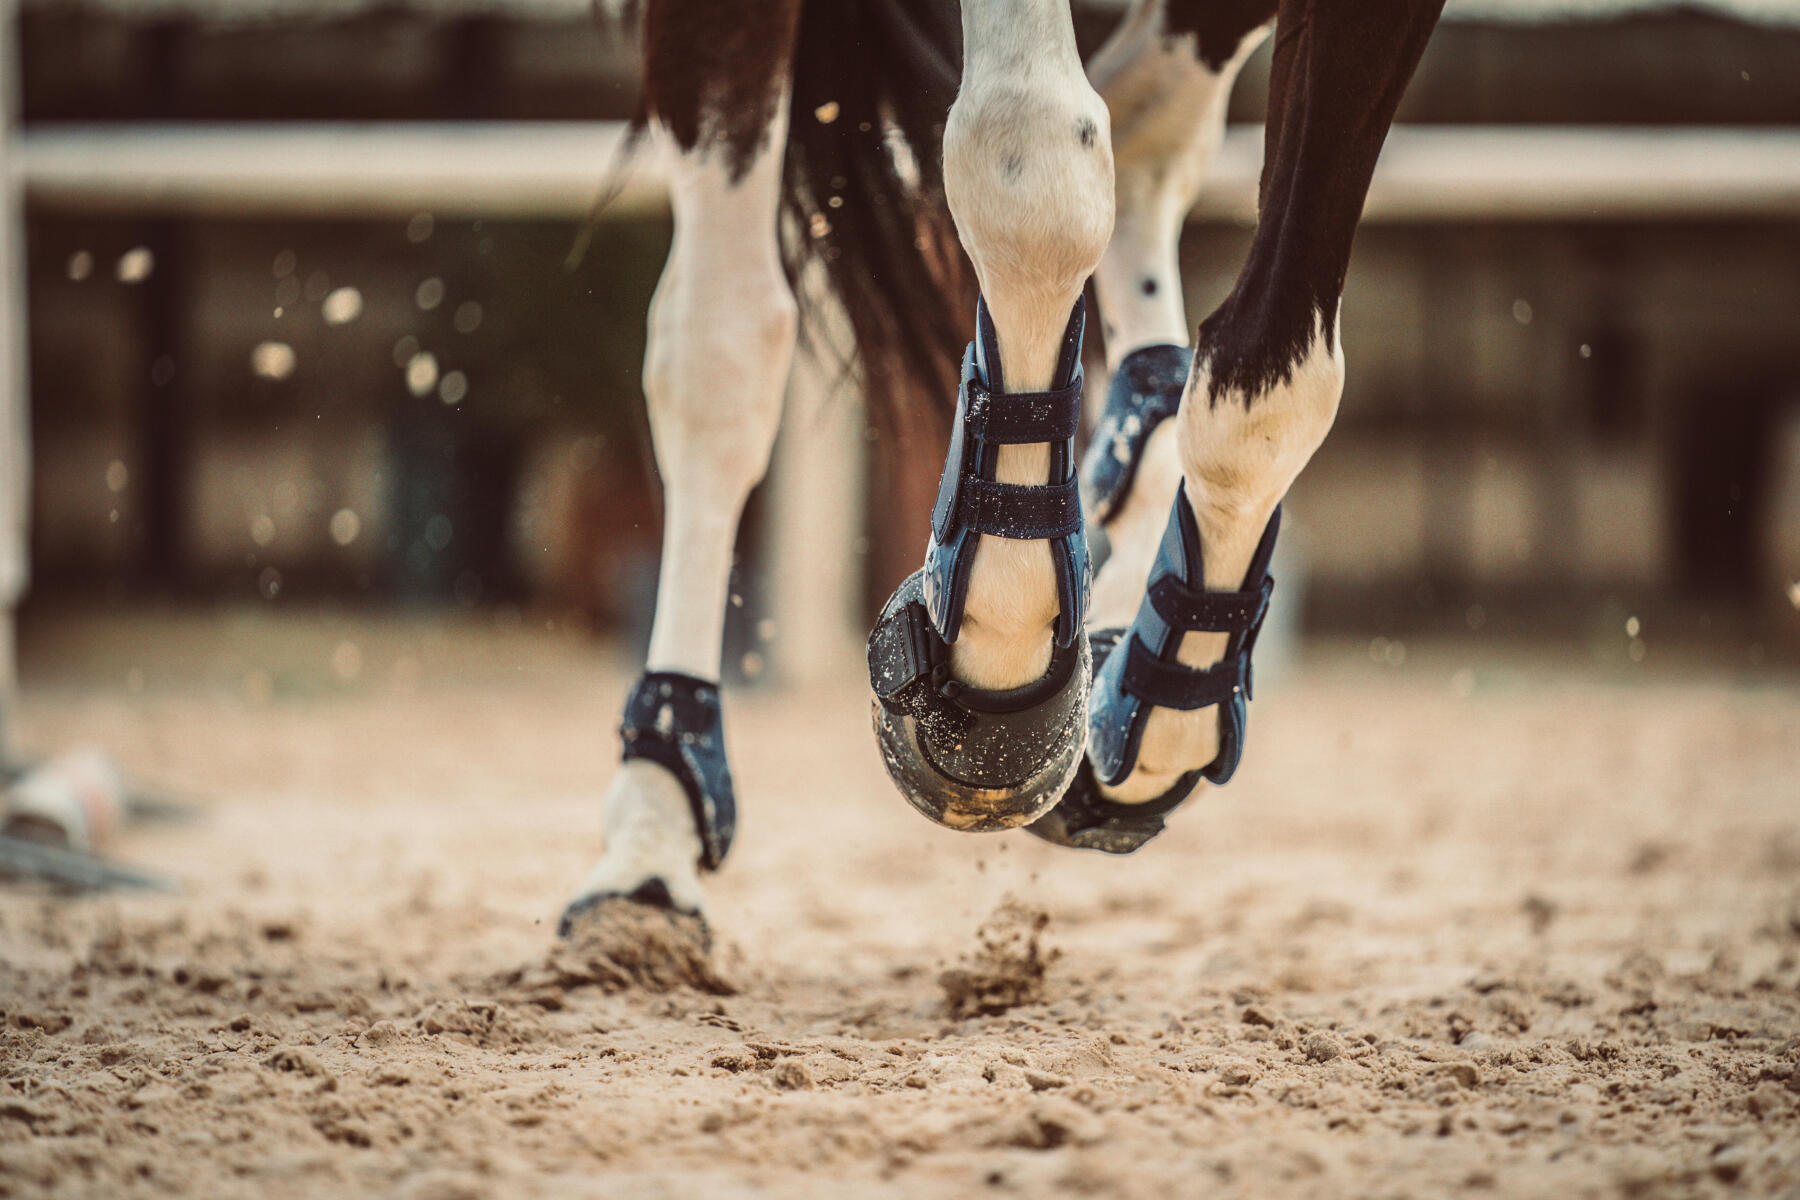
[1028, 175]
[1269, 367]
[1167, 87]
[722, 330]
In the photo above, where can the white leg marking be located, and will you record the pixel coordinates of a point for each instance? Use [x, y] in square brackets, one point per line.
[1028, 174]
[722, 328]
[1238, 458]
[1168, 117]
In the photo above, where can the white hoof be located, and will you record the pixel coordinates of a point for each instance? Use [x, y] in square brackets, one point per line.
[652, 853]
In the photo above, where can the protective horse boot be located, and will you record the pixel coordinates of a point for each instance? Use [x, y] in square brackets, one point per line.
[1137, 669]
[967, 757]
[676, 721]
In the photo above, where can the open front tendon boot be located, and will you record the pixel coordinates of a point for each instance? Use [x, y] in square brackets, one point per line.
[1137, 669]
[967, 757]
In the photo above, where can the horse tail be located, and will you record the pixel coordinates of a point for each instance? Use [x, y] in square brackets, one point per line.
[872, 85]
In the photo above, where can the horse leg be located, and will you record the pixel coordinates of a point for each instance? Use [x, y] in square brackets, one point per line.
[722, 333]
[1169, 699]
[980, 661]
[1166, 75]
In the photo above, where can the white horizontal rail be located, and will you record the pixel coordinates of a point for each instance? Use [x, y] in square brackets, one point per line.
[1427, 173]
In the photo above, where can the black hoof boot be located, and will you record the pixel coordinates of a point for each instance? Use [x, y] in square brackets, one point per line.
[1137, 670]
[676, 722]
[966, 757]
[1145, 391]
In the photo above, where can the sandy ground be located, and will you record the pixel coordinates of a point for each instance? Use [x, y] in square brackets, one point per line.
[1485, 921]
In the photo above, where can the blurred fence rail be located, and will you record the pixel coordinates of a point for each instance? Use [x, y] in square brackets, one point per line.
[557, 168]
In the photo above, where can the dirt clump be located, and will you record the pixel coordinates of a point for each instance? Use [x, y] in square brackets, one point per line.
[1007, 967]
[621, 945]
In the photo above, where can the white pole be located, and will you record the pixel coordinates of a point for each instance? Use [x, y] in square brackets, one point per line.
[15, 444]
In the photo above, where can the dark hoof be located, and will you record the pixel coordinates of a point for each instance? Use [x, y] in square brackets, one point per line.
[968, 758]
[652, 894]
[1085, 820]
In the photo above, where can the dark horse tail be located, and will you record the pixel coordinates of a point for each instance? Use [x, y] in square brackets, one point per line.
[871, 85]
[873, 81]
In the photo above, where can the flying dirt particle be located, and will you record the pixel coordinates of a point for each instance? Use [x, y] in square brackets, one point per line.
[620, 945]
[1006, 968]
[1539, 912]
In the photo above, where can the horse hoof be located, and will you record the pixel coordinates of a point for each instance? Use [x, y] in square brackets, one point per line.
[653, 893]
[967, 758]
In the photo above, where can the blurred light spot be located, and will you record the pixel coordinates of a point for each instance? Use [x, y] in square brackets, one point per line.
[273, 360]
[1587, 351]
[81, 265]
[118, 475]
[1632, 626]
[438, 531]
[404, 349]
[468, 317]
[346, 661]
[287, 292]
[827, 112]
[752, 664]
[317, 284]
[1794, 594]
[345, 526]
[1378, 648]
[135, 265]
[419, 228]
[1462, 683]
[765, 629]
[454, 388]
[112, 517]
[284, 264]
[269, 583]
[835, 202]
[286, 497]
[262, 532]
[1522, 312]
[737, 600]
[342, 306]
[819, 225]
[1637, 650]
[162, 371]
[1395, 654]
[429, 294]
[421, 373]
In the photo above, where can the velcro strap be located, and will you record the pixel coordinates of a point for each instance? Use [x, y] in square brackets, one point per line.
[1022, 418]
[902, 649]
[1181, 607]
[1171, 685]
[1023, 512]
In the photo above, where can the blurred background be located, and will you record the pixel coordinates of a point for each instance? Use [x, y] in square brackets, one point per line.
[307, 337]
